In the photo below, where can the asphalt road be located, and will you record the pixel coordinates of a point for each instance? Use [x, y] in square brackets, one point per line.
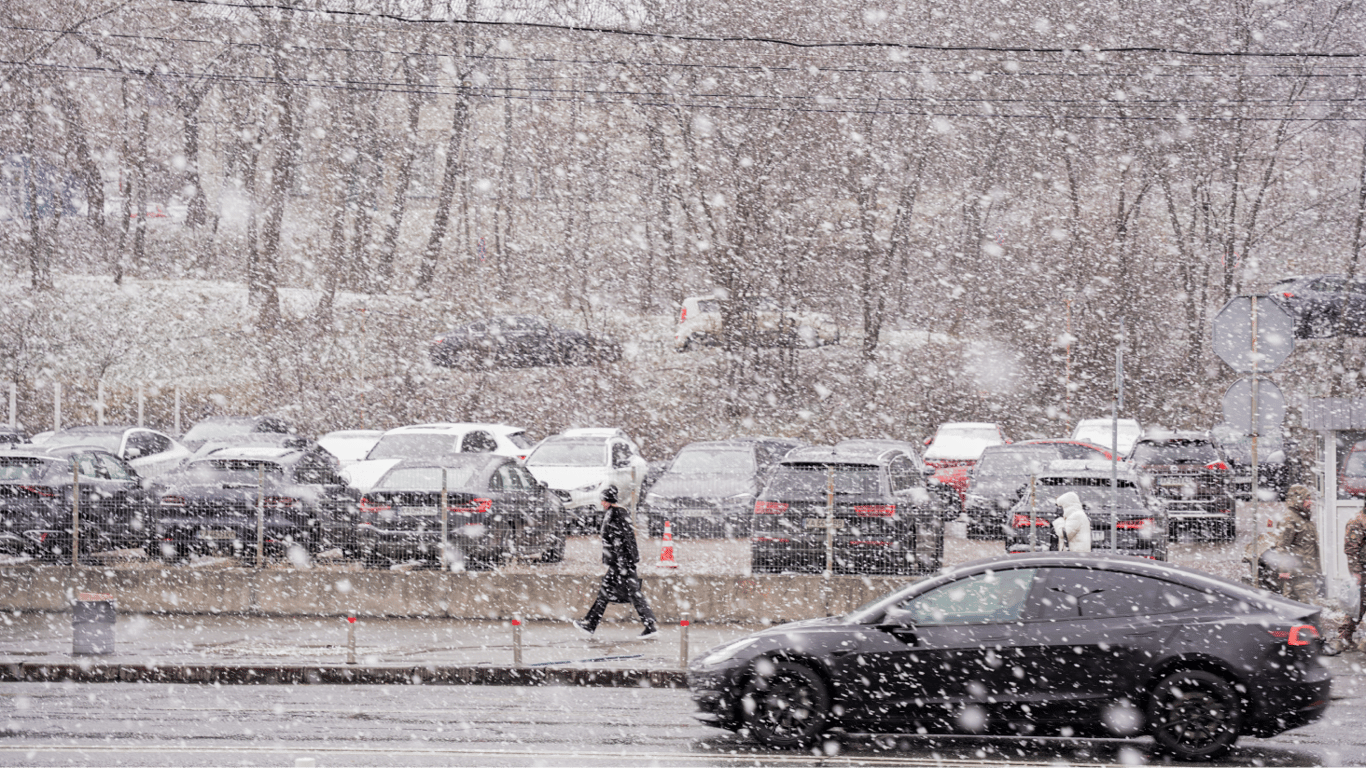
[163, 725]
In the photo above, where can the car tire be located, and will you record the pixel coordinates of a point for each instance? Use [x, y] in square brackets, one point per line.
[1194, 715]
[787, 708]
[555, 552]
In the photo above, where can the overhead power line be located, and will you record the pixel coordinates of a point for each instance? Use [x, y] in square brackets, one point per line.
[697, 38]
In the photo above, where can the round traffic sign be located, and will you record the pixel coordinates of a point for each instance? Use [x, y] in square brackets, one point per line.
[1233, 337]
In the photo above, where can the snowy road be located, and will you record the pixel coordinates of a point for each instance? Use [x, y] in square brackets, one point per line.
[159, 725]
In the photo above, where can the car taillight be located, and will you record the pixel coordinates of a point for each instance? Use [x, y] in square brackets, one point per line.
[1300, 634]
[1022, 521]
[1133, 525]
[473, 507]
[172, 501]
[683, 316]
[38, 490]
[1288, 294]
[438, 339]
[875, 510]
[769, 508]
[371, 506]
[280, 502]
[1218, 465]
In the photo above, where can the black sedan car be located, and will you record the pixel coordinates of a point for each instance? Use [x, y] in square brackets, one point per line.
[1139, 525]
[520, 341]
[1317, 302]
[874, 510]
[36, 502]
[709, 488]
[211, 505]
[1190, 473]
[494, 510]
[1037, 644]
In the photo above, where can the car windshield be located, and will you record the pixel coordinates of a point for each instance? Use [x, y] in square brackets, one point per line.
[568, 453]
[963, 443]
[425, 478]
[813, 480]
[109, 441]
[1015, 462]
[22, 468]
[240, 471]
[1094, 493]
[348, 447]
[414, 446]
[1103, 434]
[726, 461]
[1175, 452]
[209, 430]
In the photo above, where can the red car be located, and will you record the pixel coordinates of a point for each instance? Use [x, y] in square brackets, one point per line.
[956, 447]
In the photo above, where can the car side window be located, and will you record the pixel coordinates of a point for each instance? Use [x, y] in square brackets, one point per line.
[1091, 593]
[527, 479]
[512, 481]
[478, 441]
[313, 470]
[496, 481]
[113, 468]
[903, 474]
[984, 598]
[90, 467]
[156, 443]
[621, 455]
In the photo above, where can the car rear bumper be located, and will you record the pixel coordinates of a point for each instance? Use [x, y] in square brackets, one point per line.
[1290, 705]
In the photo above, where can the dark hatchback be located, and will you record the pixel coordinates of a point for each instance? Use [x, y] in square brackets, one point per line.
[884, 516]
[1038, 644]
[1187, 470]
[211, 504]
[997, 481]
[520, 341]
[36, 502]
[709, 488]
[495, 510]
[1140, 525]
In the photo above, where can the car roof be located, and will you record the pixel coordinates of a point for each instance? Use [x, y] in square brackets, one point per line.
[827, 454]
[453, 428]
[969, 425]
[107, 429]
[1158, 435]
[261, 452]
[601, 432]
[55, 453]
[740, 442]
[455, 460]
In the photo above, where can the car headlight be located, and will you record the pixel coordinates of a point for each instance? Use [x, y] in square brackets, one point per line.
[587, 488]
[727, 652]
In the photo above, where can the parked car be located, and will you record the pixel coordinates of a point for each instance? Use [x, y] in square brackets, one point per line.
[578, 463]
[1102, 432]
[1186, 469]
[762, 322]
[217, 427]
[36, 492]
[431, 441]
[149, 452]
[252, 440]
[1273, 471]
[350, 445]
[1352, 477]
[709, 487]
[998, 480]
[1139, 521]
[210, 506]
[1038, 644]
[956, 447]
[885, 517]
[520, 341]
[865, 444]
[12, 436]
[1316, 302]
[495, 510]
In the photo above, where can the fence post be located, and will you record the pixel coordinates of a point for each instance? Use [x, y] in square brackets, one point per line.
[260, 517]
[56, 406]
[177, 411]
[683, 642]
[99, 402]
[13, 405]
[75, 512]
[142, 402]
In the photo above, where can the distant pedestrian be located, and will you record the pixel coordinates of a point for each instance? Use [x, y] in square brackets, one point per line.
[1354, 546]
[1073, 526]
[1295, 555]
[620, 554]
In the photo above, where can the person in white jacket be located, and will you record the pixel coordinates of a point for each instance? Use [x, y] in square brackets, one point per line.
[1073, 527]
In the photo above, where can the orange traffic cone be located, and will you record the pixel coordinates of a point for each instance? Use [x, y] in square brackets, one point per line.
[666, 548]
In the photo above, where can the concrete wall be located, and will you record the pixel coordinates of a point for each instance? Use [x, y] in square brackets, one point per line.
[747, 599]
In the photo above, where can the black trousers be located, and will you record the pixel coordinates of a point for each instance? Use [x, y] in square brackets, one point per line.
[599, 607]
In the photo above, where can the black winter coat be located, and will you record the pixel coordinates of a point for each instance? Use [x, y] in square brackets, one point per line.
[620, 554]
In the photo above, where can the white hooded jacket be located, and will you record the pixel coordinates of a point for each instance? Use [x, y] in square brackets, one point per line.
[1074, 527]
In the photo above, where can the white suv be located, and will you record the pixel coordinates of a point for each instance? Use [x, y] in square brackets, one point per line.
[430, 441]
[700, 323]
[578, 463]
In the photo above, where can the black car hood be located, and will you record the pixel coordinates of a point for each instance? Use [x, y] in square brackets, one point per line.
[803, 625]
[703, 486]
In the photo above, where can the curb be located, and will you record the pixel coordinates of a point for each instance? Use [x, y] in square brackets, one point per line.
[262, 674]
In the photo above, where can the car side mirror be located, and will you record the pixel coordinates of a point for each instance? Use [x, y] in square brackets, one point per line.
[132, 453]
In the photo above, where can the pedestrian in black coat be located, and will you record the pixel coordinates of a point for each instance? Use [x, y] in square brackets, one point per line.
[620, 554]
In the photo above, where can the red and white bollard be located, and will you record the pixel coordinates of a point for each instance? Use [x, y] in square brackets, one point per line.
[516, 640]
[683, 642]
[350, 637]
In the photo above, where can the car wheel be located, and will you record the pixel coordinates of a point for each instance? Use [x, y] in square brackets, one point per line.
[786, 708]
[1194, 715]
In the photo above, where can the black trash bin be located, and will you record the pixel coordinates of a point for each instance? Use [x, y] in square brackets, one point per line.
[92, 625]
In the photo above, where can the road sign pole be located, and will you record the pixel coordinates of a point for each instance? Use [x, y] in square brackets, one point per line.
[1256, 430]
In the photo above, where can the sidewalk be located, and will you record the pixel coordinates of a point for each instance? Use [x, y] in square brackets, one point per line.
[256, 649]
